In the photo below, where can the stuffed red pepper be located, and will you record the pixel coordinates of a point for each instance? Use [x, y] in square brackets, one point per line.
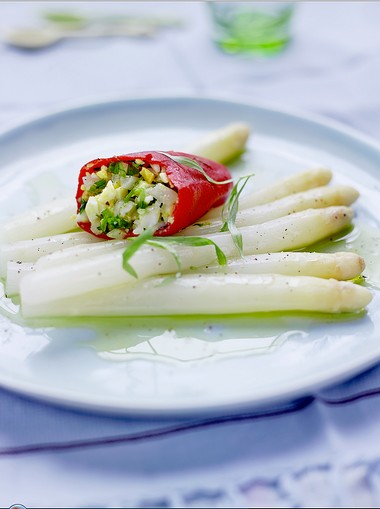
[124, 195]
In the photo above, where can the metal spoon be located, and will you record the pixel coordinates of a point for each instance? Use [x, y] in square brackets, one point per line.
[33, 39]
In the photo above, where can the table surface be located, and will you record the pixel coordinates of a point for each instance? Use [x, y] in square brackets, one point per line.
[321, 451]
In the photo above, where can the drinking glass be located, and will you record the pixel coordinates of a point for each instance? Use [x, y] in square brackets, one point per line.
[252, 27]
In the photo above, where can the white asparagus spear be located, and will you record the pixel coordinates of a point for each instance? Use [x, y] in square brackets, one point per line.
[318, 225]
[291, 232]
[31, 250]
[15, 272]
[313, 198]
[223, 144]
[341, 266]
[203, 294]
[58, 216]
[284, 187]
[75, 254]
[287, 233]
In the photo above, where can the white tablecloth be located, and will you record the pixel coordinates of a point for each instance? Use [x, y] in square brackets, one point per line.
[323, 450]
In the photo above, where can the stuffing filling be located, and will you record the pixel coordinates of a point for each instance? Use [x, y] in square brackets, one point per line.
[127, 197]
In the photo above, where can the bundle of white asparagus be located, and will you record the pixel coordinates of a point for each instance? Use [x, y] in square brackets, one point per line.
[61, 272]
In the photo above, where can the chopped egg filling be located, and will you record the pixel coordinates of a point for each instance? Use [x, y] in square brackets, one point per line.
[127, 197]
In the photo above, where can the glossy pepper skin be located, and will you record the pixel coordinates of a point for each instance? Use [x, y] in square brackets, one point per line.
[196, 195]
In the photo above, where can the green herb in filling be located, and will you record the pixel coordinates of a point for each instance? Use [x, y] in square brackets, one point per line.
[118, 168]
[82, 207]
[109, 221]
[141, 204]
[98, 186]
[111, 191]
[130, 195]
[139, 193]
[133, 169]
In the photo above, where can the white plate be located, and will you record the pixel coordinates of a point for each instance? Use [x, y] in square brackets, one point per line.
[168, 366]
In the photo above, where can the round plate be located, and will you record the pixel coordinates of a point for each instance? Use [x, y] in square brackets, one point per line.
[190, 365]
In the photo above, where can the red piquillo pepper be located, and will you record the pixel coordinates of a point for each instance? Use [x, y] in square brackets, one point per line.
[121, 196]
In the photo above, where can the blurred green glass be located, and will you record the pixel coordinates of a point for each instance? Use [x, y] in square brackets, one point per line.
[261, 28]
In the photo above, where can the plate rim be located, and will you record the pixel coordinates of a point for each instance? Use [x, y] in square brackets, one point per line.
[273, 107]
[292, 391]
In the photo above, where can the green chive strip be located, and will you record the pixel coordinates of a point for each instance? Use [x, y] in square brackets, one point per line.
[186, 161]
[82, 207]
[193, 242]
[97, 186]
[230, 210]
[117, 168]
[169, 248]
[133, 247]
[166, 243]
